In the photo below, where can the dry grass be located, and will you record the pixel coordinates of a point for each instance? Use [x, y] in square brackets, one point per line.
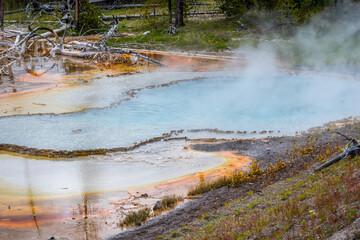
[299, 207]
[308, 148]
[134, 217]
[302, 207]
[169, 202]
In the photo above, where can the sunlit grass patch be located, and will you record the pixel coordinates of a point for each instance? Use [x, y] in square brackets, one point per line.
[214, 35]
[237, 178]
[169, 201]
[134, 217]
[307, 207]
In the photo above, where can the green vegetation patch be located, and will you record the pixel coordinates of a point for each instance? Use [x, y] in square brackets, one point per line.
[134, 217]
[169, 202]
[216, 35]
[301, 207]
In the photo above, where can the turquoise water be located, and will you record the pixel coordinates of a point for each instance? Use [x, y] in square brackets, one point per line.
[284, 102]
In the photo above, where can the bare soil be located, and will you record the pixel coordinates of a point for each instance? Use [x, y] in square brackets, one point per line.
[266, 151]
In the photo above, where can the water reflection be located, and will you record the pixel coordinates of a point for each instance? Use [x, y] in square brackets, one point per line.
[77, 198]
[36, 72]
[32, 203]
[87, 228]
[32, 70]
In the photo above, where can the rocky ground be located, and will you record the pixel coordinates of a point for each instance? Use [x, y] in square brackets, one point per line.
[266, 151]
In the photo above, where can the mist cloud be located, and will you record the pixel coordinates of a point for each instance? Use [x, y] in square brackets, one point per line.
[330, 42]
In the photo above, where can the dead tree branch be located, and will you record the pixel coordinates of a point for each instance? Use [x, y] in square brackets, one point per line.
[17, 44]
[352, 149]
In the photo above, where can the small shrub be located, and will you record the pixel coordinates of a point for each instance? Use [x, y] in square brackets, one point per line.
[175, 234]
[140, 216]
[237, 178]
[169, 201]
[185, 229]
[326, 203]
[206, 187]
[89, 16]
[206, 216]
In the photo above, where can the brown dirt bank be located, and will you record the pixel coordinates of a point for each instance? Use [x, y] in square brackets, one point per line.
[266, 151]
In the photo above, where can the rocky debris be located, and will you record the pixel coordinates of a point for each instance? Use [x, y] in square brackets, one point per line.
[157, 206]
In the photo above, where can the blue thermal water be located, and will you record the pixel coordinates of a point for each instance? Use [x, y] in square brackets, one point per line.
[283, 102]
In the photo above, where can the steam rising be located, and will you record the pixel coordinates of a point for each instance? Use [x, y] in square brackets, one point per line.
[256, 98]
[329, 47]
[329, 42]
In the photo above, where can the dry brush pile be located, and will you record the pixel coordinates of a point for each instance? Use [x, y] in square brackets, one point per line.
[15, 45]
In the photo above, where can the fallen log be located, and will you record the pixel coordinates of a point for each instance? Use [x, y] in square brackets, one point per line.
[18, 47]
[12, 33]
[27, 21]
[352, 149]
[112, 31]
[134, 16]
[61, 29]
[33, 34]
[15, 11]
[6, 69]
[105, 7]
[94, 52]
[94, 49]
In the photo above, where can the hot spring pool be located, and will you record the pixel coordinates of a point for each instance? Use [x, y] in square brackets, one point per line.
[281, 102]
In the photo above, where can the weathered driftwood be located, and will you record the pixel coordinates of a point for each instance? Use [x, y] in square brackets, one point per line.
[92, 53]
[112, 31]
[17, 44]
[6, 69]
[35, 7]
[352, 149]
[134, 16]
[33, 34]
[27, 21]
[15, 11]
[119, 6]
[93, 50]
[58, 30]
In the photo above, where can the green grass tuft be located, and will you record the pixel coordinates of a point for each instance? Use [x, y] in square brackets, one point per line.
[307, 207]
[168, 202]
[134, 217]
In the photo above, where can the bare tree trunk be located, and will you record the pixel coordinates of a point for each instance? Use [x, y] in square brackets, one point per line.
[170, 12]
[2, 14]
[77, 9]
[179, 14]
[155, 15]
